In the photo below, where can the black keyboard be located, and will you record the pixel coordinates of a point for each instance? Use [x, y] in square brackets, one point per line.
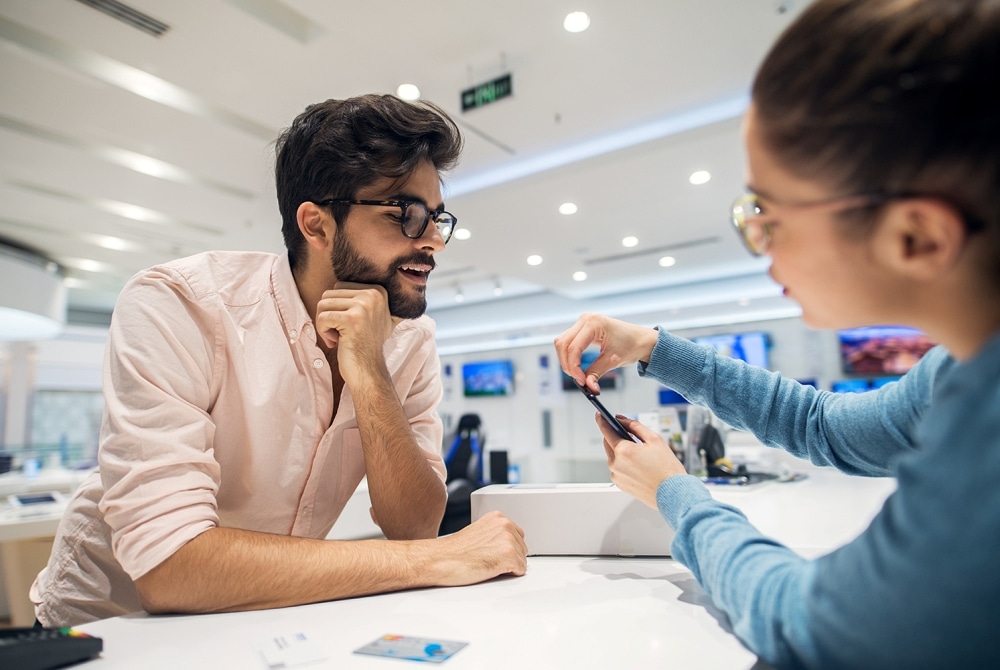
[44, 648]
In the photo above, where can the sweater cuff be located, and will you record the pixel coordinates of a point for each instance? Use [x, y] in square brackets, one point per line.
[677, 494]
[677, 362]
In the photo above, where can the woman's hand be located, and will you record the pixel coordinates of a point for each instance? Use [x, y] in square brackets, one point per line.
[621, 344]
[638, 468]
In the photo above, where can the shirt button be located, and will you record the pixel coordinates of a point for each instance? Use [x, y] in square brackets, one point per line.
[318, 363]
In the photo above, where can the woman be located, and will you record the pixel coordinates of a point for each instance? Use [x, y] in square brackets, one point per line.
[873, 143]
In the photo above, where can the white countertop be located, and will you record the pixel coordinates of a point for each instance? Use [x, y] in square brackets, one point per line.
[567, 612]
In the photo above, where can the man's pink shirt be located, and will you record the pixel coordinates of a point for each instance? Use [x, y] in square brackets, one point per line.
[218, 406]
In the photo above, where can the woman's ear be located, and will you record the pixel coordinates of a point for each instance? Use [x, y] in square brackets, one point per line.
[921, 238]
[316, 225]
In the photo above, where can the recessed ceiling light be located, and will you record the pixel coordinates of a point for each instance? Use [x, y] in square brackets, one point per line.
[113, 243]
[630, 241]
[408, 92]
[87, 265]
[534, 259]
[462, 233]
[579, 275]
[576, 22]
[700, 177]
[667, 261]
[568, 208]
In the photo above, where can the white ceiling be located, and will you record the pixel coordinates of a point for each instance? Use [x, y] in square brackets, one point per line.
[613, 119]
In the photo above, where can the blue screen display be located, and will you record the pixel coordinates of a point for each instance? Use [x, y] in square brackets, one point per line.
[749, 347]
[861, 385]
[488, 378]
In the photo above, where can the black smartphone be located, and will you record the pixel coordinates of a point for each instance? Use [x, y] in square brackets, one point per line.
[608, 416]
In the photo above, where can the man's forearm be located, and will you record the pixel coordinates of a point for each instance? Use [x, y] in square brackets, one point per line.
[407, 496]
[226, 569]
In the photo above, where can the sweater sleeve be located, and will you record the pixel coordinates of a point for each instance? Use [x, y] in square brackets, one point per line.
[760, 584]
[818, 425]
[916, 589]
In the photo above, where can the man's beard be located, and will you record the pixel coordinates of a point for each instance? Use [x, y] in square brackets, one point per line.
[349, 266]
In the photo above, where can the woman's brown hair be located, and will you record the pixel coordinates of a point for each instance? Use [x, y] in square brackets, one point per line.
[893, 97]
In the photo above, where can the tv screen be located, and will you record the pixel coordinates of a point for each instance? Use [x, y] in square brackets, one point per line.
[861, 385]
[608, 380]
[851, 386]
[749, 347]
[669, 396]
[882, 350]
[488, 378]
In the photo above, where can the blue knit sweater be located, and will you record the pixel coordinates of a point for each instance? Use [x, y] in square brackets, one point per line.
[921, 586]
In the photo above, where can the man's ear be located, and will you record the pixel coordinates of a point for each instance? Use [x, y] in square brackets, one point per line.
[922, 238]
[316, 225]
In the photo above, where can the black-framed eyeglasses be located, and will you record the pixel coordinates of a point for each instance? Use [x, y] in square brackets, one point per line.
[413, 215]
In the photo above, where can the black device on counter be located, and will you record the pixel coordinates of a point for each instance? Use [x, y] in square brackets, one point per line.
[44, 648]
[608, 416]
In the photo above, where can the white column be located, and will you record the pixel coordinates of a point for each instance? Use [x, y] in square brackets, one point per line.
[19, 383]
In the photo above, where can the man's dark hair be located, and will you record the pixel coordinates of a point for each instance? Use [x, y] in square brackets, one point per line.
[335, 148]
[892, 97]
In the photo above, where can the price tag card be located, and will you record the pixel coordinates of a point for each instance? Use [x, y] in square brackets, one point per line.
[412, 648]
[287, 651]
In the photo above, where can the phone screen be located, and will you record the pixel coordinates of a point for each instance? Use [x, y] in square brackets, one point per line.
[608, 416]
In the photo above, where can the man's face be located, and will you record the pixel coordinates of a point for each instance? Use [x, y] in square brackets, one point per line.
[404, 302]
[370, 247]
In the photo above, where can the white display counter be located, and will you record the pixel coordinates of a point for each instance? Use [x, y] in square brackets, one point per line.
[566, 612]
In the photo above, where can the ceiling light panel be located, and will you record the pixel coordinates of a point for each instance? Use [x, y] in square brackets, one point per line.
[576, 22]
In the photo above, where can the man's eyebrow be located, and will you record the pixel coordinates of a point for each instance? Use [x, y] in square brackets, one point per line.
[758, 192]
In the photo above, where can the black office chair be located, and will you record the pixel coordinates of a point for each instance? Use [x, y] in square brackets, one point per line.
[464, 463]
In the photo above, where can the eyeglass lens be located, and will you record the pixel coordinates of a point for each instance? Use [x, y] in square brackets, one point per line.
[754, 233]
[416, 216]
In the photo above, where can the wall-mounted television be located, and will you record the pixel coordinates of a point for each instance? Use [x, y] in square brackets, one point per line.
[749, 347]
[488, 378]
[668, 396]
[861, 385]
[881, 350]
[608, 380]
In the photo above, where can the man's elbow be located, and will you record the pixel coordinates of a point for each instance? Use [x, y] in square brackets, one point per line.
[162, 592]
[155, 596]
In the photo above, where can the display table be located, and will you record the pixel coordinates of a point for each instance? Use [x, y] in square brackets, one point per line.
[566, 612]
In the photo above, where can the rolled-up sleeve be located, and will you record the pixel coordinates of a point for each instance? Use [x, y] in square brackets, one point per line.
[156, 458]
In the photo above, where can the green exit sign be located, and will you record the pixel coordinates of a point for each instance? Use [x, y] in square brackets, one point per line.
[484, 94]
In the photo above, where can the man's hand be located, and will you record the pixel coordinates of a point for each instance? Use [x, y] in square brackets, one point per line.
[621, 344]
[489, 547]
[355, 319]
